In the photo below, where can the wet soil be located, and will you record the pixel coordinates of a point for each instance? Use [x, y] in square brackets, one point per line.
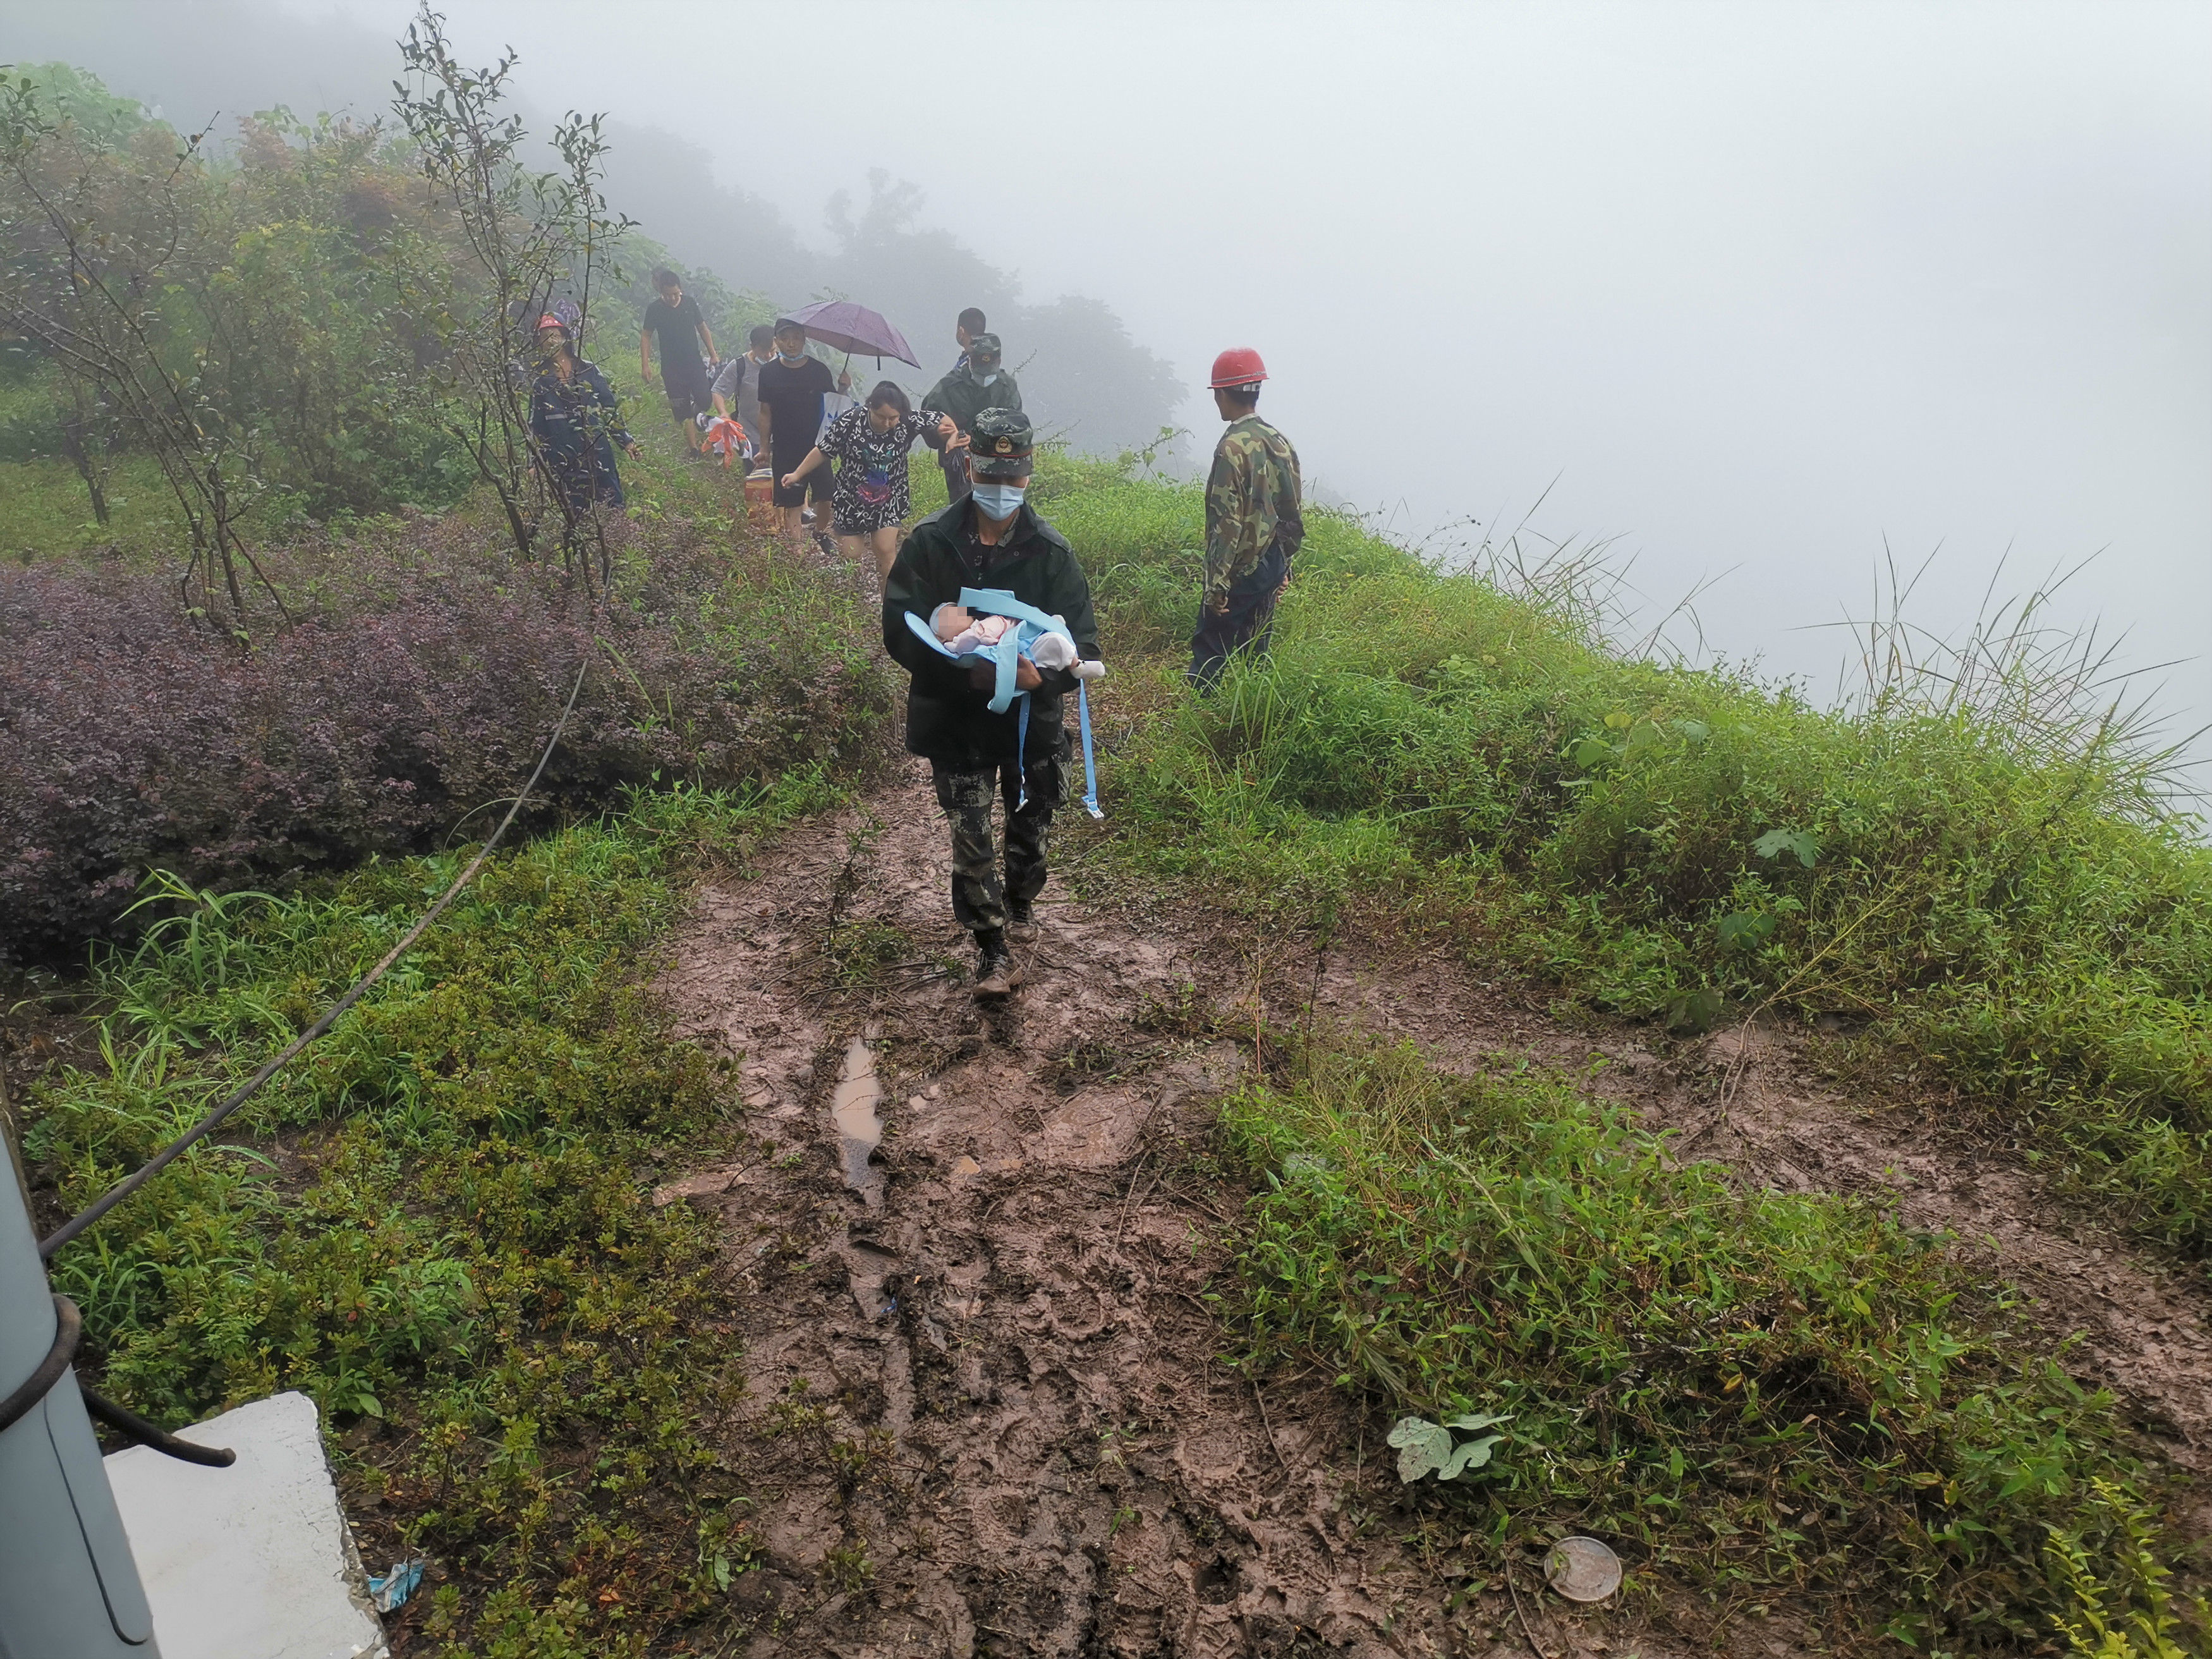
[990, 1408]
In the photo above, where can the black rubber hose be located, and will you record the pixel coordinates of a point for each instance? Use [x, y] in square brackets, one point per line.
[68, 1326]
[131, 1426]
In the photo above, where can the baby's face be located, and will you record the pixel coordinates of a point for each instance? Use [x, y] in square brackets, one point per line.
[952, 622]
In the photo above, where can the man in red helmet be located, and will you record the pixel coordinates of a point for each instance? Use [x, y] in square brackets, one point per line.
[1253, 523]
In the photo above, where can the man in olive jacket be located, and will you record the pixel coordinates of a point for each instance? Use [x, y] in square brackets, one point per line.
[977, 384]
[991, 538]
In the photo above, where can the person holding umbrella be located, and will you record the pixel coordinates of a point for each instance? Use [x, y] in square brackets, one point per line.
[792, 388]
[871, 445]
[978, 383]
[1255, 524]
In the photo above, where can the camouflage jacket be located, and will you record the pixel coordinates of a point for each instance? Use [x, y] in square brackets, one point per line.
[1251, 503]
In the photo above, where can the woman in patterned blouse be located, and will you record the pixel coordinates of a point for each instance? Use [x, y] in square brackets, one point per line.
[870, 444]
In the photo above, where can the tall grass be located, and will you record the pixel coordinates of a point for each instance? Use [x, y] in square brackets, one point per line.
[1976, 862]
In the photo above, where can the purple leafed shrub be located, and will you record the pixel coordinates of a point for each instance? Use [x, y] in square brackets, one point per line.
[405, 705]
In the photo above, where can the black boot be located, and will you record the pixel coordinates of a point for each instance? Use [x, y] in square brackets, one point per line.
[995, 974]
[1021, 923]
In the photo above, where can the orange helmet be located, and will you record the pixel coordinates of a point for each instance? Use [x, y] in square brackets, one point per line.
[1239, 366]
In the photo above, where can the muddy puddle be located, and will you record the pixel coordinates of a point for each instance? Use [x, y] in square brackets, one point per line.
[855, 1111]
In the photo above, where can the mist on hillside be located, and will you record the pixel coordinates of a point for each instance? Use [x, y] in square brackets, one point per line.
[1764, 297]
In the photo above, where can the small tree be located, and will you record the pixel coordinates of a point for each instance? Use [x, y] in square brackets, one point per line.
[106, 264]
[529, 235]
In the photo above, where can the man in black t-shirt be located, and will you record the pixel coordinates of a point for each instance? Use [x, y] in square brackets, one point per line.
[677, 321]
[792, 387]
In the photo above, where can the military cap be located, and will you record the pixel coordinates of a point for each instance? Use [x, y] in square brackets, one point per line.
[983, 345]
[1001, 443]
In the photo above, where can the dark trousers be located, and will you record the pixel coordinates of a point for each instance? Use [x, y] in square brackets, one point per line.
[954, 463]
[1247, 624]
[979, 898]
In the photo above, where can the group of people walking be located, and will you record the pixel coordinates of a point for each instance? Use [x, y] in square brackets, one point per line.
[988, 546]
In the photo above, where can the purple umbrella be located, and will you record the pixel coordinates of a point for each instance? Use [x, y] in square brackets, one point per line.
[851, 327]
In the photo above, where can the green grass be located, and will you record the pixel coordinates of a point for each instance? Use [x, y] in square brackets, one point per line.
[2005, 902]
[436, 1221]
[1768, 1394]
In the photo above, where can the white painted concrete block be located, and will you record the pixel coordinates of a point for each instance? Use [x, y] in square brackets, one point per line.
[251, 1562]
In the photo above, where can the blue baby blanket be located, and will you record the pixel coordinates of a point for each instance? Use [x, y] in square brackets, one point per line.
[1031, 624]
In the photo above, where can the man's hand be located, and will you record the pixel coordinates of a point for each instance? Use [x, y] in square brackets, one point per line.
[947, 429]
[845, 379]
[958, 441]
[1219, 607]
[791, 481]
[985, 678]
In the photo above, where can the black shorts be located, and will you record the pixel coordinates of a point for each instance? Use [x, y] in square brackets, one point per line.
[814, 486]
[688, 395]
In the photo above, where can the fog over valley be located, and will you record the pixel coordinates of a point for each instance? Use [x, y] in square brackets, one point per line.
[1751, 292]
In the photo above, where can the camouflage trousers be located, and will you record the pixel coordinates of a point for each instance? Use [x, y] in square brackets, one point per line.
[979, 897]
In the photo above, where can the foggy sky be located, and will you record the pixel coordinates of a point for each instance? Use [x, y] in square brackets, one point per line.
[1760, 285]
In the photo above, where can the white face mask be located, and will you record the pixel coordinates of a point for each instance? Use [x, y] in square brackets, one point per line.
[1000, 501]
[986, 380]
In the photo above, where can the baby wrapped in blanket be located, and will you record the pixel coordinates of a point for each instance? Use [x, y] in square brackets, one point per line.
[990, 627]
[963, 633]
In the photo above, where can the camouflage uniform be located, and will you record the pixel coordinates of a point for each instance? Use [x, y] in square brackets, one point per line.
[1253, 530]
[980, 902]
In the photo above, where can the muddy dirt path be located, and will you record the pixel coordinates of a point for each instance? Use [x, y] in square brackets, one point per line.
[987, 1410]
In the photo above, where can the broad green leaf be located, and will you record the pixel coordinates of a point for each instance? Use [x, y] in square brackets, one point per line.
[1775, 842]
[1422, 1446]
[1472, 1455]
[1477, 1420]
[1746, 928]
[1587, 754]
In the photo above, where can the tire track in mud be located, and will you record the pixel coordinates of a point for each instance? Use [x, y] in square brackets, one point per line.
[985, 1409]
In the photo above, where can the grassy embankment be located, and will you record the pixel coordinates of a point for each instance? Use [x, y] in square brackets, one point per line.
[1771, 1393]
[1776, 1392]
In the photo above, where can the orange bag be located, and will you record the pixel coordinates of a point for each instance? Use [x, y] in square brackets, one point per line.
[760, 497]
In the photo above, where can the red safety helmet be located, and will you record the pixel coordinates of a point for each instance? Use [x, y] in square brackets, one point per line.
[549, 320]
[1239, 366]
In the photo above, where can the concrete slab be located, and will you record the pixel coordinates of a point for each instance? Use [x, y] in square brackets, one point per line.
[254, 1561]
